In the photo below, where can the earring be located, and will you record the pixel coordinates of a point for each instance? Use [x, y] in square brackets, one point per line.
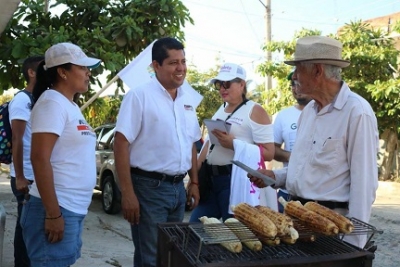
[64, 77]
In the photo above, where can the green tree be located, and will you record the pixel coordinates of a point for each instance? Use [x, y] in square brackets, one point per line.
[280, 96]
[114, 31]
[212, 100]
[372, 74]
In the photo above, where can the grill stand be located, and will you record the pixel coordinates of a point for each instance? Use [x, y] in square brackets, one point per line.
[179, 246]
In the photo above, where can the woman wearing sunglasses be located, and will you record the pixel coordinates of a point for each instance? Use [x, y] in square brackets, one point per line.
[249, 123]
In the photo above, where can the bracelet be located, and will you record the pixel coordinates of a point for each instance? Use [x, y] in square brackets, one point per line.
[194, 183]
[54, 218]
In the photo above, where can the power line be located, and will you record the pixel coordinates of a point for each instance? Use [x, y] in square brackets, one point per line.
[248, 20]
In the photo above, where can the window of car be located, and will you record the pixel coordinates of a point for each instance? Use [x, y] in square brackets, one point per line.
[105, 137]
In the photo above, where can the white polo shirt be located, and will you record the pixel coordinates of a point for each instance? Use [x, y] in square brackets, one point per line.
[20, 109]
[161, 131]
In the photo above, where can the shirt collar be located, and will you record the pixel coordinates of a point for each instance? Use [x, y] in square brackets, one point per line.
[338, 101]
[161, 87]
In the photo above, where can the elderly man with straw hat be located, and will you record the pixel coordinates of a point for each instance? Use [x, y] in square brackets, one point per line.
[334, 158]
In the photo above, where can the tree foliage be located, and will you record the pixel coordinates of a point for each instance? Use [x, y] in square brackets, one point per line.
[212, 100]
[372, 73]
[280, 96]
[114, 31]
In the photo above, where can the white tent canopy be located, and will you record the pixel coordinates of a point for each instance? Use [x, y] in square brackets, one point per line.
[7, 10]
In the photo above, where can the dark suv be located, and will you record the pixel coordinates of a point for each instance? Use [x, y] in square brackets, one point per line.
[107, 180]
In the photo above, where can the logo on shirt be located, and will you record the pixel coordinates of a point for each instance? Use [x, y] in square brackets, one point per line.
[293, 126]
[188, 107]
[84, 128]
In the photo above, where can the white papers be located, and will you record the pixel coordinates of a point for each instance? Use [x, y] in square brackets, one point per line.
[216, 125]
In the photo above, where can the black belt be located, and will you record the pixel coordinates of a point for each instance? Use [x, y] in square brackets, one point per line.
[158, 175]
[220, 169]
[328, 204]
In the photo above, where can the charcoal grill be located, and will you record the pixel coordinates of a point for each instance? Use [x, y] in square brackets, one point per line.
[188, 244]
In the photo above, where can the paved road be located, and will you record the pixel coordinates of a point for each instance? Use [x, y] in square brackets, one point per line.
[107, 240]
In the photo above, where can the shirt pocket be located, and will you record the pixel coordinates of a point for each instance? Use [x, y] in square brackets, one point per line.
[192, 125]
[327, 156]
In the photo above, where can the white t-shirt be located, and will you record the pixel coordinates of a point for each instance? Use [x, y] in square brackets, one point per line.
[73, 158]
[161, 131]
[20, 109]
[242, 128]
[285, 127]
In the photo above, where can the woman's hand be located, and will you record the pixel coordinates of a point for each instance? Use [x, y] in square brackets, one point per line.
[225, 139]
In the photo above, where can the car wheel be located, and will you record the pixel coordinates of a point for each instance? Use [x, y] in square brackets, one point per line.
[110, 196]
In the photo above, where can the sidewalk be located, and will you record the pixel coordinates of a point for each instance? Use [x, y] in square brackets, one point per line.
[106, 238]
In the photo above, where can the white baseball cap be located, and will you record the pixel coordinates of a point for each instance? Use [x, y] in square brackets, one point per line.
[63, 53]
[230, 71]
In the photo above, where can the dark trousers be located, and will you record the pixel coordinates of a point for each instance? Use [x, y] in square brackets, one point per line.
[21, 258]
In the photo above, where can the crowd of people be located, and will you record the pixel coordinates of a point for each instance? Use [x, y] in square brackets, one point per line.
[330, 139]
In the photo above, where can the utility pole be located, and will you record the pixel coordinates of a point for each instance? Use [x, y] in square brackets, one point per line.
[46, 6]
[268, 37]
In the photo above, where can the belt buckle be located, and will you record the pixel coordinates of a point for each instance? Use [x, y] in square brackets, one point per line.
[177, 178]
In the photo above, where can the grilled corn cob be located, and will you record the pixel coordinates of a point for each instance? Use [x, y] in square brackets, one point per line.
[344, 224]
[271, 241]
[313, 220]
[255, 220]
[233, 246]
[243, 233]
[283, 223]
[288, 240]
[307, 236]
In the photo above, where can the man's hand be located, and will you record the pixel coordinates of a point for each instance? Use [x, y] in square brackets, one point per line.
[192, 193]
[258, 181]
[54, 229]
[22, 184]
[130, 208]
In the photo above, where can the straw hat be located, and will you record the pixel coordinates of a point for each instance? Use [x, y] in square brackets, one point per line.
[319, 49]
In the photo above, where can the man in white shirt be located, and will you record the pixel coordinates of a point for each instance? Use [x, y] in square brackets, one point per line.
[285, 129]
[334, 159]
[21, 172]
[154, 148]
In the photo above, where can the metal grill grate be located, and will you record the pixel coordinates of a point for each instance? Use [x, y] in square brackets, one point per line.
[191, 240]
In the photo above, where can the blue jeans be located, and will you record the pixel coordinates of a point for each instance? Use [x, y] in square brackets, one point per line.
[285, 195]
[217, 204]
[160, 202]
[21, 258]
[40, 251]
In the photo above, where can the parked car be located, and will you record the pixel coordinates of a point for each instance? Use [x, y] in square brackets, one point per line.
[107, 180]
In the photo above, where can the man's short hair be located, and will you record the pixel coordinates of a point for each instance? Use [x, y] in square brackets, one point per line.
[30, 63]
[161, 46]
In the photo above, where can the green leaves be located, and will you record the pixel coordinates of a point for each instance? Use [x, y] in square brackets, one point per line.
[114, 31]
[373, 72]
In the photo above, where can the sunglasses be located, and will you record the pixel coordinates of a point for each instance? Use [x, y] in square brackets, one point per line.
[225, 84]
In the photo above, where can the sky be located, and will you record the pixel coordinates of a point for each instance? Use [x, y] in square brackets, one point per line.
[235, 30]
